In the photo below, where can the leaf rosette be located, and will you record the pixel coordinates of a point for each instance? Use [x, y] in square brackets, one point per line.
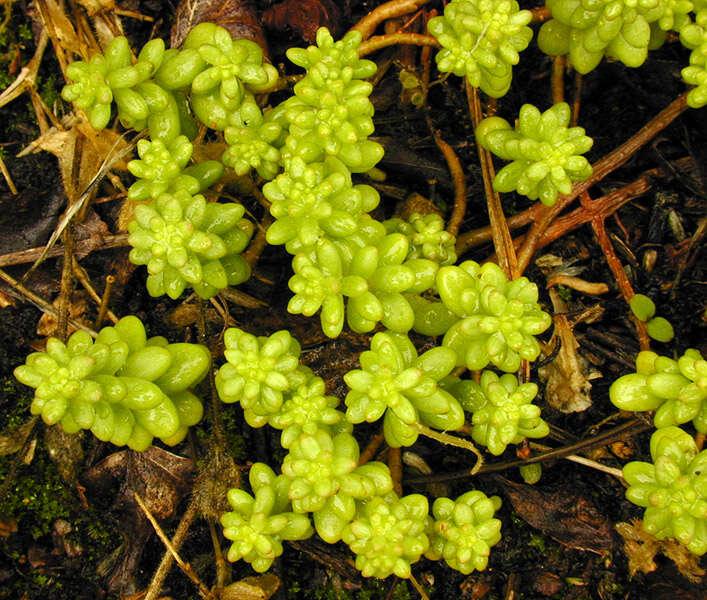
[259, 523]
[123, 387]
[481, 40]
[463, 531]
[673, 489]
[395, 382]
[499, 318]
[186, 241]
[259, 371]
[676, 390]
[546, 155]
[389, 534]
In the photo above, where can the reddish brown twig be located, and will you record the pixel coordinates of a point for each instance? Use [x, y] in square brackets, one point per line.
[502, 241]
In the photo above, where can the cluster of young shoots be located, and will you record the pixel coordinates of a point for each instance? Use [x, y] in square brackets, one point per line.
[359, 272]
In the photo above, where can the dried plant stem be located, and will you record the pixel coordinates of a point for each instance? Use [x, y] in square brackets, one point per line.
[102, 301]
[395, 464]
[215, 401]
[576, 283]
[602, 168]
[223, 571]
[577, 98]
[627, 429]
[378, 42]
[457, 173]
[6, 175]
[153, 591]
[588, 462]
[418, 587]
[370, 450]
[256, 247]
[40, 302]
[83, 247]
[540, 14]
[558, 79]
[204, 591]
[389, 10]
[502, 241]
[67, 283]
[103, 306]
[452, 440]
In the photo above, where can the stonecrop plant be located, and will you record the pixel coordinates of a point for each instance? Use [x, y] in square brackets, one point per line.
[123, 387]
[391, 277]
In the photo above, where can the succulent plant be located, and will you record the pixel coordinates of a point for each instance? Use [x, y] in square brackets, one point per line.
[307, 409]
[546, 154]
[331, 113]
[186, 241]
[315, 201]
[112, 76]
[481, 40]
[673, 489]
[589, 29]
[502, 410]
[395, 382]
[259, 523]
[499, 318]
[427, 237]
[124, 388]
[259, 370]
[162, 168]
[676, 390]
[389, 534]
[254, 140]
[694, 36]
[325, 479]
[464, 530]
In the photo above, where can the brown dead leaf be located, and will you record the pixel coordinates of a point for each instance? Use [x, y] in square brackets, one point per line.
[218, 474]
[238, 16]
[60, 25]
[93, 7]
[261, 587]
[161, 479]
[8, 526]
[305, 17]
[567, 517]
[77, 309]
[641, 547]
[12, 440]
[566, 385]
[66, 451]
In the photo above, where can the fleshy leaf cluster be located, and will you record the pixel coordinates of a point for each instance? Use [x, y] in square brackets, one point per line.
[112, 76]
[395, 382]
[673, 489]
[330, 113]
[123, 387]
[499, 318]
[186, 241]
[464, 530]
[258, 371]
[546, 154]
[481, 40]
[259, 523]
[502, 410]
[694, 36]
[389, 534]
[307, 409]
[427, 236]
[254, 140]
[588, 30]
[325, 479]
[675, 389]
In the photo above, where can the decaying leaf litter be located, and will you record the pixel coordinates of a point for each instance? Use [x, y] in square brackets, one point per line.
[665, 178]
